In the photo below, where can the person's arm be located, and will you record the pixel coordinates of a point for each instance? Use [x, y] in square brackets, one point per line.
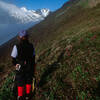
[14, 55]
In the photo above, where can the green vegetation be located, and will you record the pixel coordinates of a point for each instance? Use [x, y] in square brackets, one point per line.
[6, 92]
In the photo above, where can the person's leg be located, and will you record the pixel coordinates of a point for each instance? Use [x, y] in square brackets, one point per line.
[28, 88]
[20, 86]
[20, 90]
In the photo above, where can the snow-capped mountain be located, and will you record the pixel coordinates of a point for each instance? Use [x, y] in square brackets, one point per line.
[14, 19]
[26, 16]
[32, 15]
[44, 12]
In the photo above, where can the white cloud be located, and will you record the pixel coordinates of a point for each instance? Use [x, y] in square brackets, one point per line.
[8, 6]
[10, 13]
[11, 21]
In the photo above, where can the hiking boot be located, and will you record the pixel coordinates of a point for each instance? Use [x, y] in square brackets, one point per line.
[26, 98]
[20, 98]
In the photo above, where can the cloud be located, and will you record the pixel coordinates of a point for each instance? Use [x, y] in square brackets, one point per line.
[10, 21]
[10, 13]
[7, 6]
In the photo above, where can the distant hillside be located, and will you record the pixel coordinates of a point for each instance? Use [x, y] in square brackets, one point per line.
[67, 46]
[84, 3]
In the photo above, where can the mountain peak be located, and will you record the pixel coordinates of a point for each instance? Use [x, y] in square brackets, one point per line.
[44, 12]
[26, 15]
[24, 9]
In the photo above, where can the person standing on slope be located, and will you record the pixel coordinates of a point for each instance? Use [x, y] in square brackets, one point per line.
[23, 58]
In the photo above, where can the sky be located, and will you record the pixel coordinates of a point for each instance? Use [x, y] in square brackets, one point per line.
[38, 4]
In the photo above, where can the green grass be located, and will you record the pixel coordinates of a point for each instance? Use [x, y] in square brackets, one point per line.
[78, 65]
[6, 92]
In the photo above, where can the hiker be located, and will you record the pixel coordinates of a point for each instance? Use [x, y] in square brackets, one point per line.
[23, 58]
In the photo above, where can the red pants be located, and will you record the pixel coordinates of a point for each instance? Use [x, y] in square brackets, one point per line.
[21, 89]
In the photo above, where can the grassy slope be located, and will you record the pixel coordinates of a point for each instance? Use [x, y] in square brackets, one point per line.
[68, 61]
[68, 51]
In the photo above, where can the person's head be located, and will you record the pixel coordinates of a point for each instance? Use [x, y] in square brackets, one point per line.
[23, 35]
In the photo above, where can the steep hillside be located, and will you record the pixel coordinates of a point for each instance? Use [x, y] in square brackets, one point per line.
[67, 54]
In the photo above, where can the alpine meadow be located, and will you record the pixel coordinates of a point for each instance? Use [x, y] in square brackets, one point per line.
[67, 45]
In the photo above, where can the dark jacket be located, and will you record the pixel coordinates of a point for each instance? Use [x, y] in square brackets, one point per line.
[25, 57]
